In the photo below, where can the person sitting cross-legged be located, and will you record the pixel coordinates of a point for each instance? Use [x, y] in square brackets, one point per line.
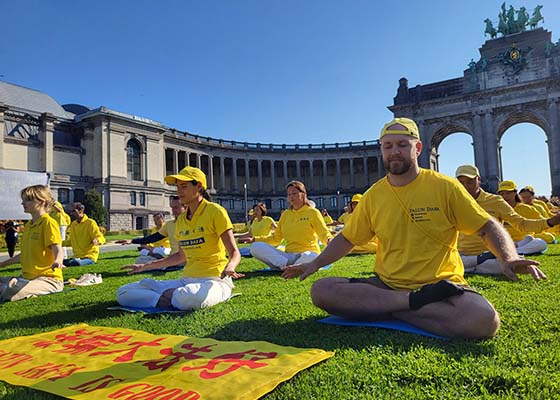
[41, 251]
[474, 253]
[415, 214]
[205, 233]
[84, 237]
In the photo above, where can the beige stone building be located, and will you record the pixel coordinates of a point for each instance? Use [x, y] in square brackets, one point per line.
[125, 157]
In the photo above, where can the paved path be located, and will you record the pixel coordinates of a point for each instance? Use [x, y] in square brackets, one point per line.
[105, 248]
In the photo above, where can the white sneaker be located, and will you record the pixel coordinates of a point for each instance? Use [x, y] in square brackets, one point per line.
[87, 280]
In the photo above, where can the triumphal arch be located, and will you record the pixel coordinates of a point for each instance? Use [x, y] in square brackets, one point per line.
[515, 79]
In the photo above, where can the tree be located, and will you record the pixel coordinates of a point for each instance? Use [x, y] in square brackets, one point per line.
[95, 208]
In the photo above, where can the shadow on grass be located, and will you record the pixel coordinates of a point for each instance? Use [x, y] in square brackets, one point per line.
[77, 315]
[117, 257]
[310, 333]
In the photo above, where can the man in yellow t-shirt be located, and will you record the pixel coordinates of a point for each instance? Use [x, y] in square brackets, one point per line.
[473, 250]
[527, 195]
[165, 234]
[85, 238]
[416, 215]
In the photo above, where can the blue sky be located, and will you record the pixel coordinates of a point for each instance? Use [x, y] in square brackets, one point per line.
[280, 71]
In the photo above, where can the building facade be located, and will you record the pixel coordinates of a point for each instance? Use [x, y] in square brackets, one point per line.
[125, 157]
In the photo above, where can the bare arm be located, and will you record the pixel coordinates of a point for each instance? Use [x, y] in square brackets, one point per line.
[336, 249]
[500, 244]
[58, 256]
[174, 259]
[234, 256]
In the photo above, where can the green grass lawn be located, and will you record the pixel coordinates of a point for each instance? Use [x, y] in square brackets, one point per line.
[521, 362]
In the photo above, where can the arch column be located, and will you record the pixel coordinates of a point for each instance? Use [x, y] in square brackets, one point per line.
[478, 144]
[493, 173]
[554, 144]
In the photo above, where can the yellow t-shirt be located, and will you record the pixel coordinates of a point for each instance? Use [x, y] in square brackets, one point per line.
[160, 243]
[200, 239]
[300, 229]
[344, 218]
[328, 219]
[81, 234]
[497, 207]
[61, 218]
[412, 254]
[525, 211]
[262, 227]
[168, 230]
[36, 255]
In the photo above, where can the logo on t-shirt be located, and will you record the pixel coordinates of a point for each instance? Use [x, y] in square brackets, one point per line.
[422, 214]
[192, 242]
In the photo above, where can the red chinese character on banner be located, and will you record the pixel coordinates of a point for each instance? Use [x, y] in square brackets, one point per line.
[83, 341]
[130, 351]
[173, 357]
[236, 361]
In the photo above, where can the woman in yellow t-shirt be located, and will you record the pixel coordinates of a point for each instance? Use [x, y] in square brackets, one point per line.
[41, 251]
[205, 233]
[300, 226]
[261, 225]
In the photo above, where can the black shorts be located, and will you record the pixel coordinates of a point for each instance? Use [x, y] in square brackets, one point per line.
[377, 282]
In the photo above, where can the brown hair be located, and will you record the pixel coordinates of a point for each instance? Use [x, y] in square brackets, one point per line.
[300, 188]
[262, 207]
[38, 192]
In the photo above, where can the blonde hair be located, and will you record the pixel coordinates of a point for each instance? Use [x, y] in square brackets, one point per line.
[40, 193]
[300, 187]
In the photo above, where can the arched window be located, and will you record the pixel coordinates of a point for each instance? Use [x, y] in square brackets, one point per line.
[134, 160]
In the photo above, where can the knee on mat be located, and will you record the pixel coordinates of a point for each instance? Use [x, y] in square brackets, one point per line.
[191, 297]
[320, 292]
[256, 248]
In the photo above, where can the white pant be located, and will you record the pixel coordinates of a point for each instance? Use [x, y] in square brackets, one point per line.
[530, 245]
[278, 259]
[488, 267]
[63, 237]
[161, 251]
[189, 294]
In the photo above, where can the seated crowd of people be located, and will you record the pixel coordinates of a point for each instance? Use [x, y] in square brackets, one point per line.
[460, 228]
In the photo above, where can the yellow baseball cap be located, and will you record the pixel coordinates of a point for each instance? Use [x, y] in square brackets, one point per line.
[356, 198]
[400, 126]
[507, 186]
[470, 171]
[187, 174]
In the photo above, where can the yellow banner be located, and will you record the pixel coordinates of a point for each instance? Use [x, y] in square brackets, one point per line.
[85, 362]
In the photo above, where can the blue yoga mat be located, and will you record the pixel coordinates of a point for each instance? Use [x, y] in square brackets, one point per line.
[245, 252]
[393, 324]
[268, 269]
[156, 310]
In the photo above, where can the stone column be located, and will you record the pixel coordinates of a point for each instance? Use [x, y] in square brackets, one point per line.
[338, 173]
[187, 158]
[380, 167]
[366, 171]
[211, 173]
[491, 141]
[222, 174]
[311, 174]
[285, 166]
[3, 132]
[46, 135]
[259, 174]
[426, 138]
[554, 144]
[351, 169]
[175, 161]
[198, 161]
[325, 180]
[247, 177]
[298, 170]
[234, 174]
[478, 144]
[273, 175]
